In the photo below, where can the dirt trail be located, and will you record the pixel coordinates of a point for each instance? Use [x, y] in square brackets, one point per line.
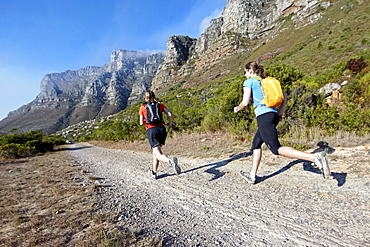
[209, 204]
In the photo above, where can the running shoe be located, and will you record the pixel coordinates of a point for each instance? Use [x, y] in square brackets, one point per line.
[174, 164]
[247, 176]
[152, 174]
[322, 163]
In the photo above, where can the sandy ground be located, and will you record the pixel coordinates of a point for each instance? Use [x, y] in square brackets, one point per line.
[209, 204]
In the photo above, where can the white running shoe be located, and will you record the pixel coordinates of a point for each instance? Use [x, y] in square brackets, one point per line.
[152, 174]
[322, 163]
[247, 176]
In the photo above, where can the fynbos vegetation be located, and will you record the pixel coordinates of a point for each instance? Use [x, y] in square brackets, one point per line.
[27, 144]
[209, 107]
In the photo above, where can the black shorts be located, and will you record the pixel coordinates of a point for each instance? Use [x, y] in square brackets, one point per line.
[156, 136]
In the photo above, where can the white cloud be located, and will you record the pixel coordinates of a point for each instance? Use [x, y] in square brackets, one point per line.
[207, 20]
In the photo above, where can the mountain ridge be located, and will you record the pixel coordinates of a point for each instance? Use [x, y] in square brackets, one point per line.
[267, 31]
[91, 92]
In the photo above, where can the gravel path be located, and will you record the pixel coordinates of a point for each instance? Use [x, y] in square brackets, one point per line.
[209, 204]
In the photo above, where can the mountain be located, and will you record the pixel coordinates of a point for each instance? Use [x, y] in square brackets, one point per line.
[310, 35]
[240, 30]
[91, 92]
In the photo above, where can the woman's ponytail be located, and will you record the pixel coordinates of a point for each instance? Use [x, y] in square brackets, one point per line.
[256, 68]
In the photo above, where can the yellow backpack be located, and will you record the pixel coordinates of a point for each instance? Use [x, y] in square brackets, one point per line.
[272, 92]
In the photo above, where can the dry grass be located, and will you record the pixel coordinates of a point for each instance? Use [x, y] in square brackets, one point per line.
[312, 136]
[191, 145]
[223, 144]
[48, 201]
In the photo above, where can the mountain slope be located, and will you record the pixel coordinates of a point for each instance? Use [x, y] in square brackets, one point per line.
[311, 36]
[91, 92]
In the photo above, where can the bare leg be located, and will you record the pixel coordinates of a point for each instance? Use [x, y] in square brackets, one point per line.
[288, 152]
[296, 154]
[283, 151]
[155, 163]
[257, 154]
[157, 154]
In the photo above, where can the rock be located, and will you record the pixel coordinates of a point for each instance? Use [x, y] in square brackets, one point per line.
[71, 97]
[228, 35]
[92, 92]
[329, 88]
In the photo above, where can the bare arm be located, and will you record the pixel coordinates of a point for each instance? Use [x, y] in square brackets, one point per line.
[142, 120]
[246, 97]
[282, 106]
[168, 113]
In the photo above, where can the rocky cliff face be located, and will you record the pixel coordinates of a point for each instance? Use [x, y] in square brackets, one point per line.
[73, 96]
[238, 29]
[91, 92]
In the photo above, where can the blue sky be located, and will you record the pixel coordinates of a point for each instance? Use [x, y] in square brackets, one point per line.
[45, 36]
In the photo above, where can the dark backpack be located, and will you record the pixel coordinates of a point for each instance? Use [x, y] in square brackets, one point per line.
[153, 113]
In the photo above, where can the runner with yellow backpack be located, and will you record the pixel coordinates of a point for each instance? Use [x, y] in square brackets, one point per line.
[267, 96]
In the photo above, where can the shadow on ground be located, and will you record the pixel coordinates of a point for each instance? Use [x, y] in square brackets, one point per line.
[214, 167]
[307, 166]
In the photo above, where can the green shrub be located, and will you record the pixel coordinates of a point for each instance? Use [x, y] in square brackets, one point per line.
[301, 101]
[220, 114]
[365, 84]
[319, 46]
[53, 140]
[286, 74]
[358, 91]
[211, 121]
[188, 110]
[330, 75]
[118, 130]
[355, 120]
[16, 150]
[27, 144]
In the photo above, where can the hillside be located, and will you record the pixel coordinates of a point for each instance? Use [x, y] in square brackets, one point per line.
[91, 92]
[306, 45]
[312, 38]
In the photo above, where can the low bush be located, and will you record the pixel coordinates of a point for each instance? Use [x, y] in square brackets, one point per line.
[210, 106]
[27, 144]
[16, 150]
[118, 130]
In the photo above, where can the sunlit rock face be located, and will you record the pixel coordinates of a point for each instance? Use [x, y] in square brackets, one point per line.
[70, 97]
